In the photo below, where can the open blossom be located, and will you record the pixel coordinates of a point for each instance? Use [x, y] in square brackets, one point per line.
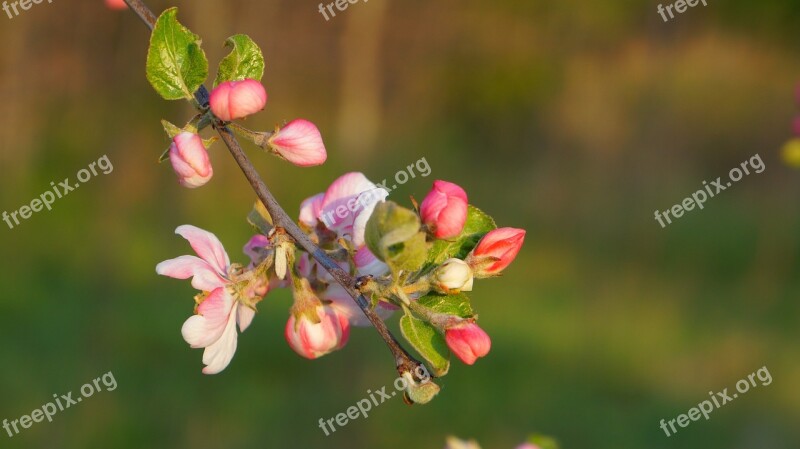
[233, 100]
[444, 210]
[347, 205]
[313, 340]
[527, 446]
[468, 342]
[496, 251]
[219, 309]
[300, 143]
[189, 159]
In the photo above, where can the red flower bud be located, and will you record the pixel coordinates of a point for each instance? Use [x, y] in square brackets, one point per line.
[496, 251]
[444, 210]
[233, 100]
[468, 342]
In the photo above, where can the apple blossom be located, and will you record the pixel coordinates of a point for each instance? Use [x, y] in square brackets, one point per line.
[527, 446]
[190, 161]
[233, 100]
[313, 340]
[468, 342]
[495, 251]
[300, 143]
[347, 205]
[220, 306]
[444, 209]
[453, 274]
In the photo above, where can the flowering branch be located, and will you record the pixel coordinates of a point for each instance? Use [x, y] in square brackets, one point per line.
[353, 259]
[403, 361]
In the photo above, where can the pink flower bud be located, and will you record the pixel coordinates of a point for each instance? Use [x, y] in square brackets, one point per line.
[189, 158]
[468, 342]
[313, 340]
[496, 251]
[453, 274]
[300, 143]
[116, 4]
[233, 100]
[444, 210]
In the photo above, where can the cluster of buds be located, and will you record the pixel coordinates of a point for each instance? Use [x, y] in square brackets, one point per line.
[354, 259]
[323, 312]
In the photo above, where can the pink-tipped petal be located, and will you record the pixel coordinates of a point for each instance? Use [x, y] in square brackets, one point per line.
[300, 143]
[244, 317]
[310, 209]
[218, 356]
[204, 276]
[368, 264]
[205, 328]
[207, 246]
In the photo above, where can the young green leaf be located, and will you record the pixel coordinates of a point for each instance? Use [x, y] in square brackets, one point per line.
[176, 65]
[458, 304]
[244, 61]
[429, 343]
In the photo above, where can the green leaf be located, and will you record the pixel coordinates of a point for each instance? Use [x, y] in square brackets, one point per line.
[458, 304]
[477, 225]
[170, 129]
[409, 255]
[176, 65]
[244, 61]
[388, 226]
[428, 343]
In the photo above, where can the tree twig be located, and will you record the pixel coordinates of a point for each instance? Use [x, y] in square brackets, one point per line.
[403, 361]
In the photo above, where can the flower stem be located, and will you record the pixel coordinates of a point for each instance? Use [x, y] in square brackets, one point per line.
[403, 361]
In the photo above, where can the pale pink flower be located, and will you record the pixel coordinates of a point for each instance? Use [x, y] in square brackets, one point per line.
[444, 210]
[300, 143]
[347, 205]
[313, 340]
[219, 311]
[233, 100]
[190, 161]
[468, 342]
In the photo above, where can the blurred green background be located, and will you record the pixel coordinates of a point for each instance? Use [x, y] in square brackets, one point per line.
[572, 119]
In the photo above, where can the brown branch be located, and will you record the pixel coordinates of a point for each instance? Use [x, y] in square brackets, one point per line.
[403, 361]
